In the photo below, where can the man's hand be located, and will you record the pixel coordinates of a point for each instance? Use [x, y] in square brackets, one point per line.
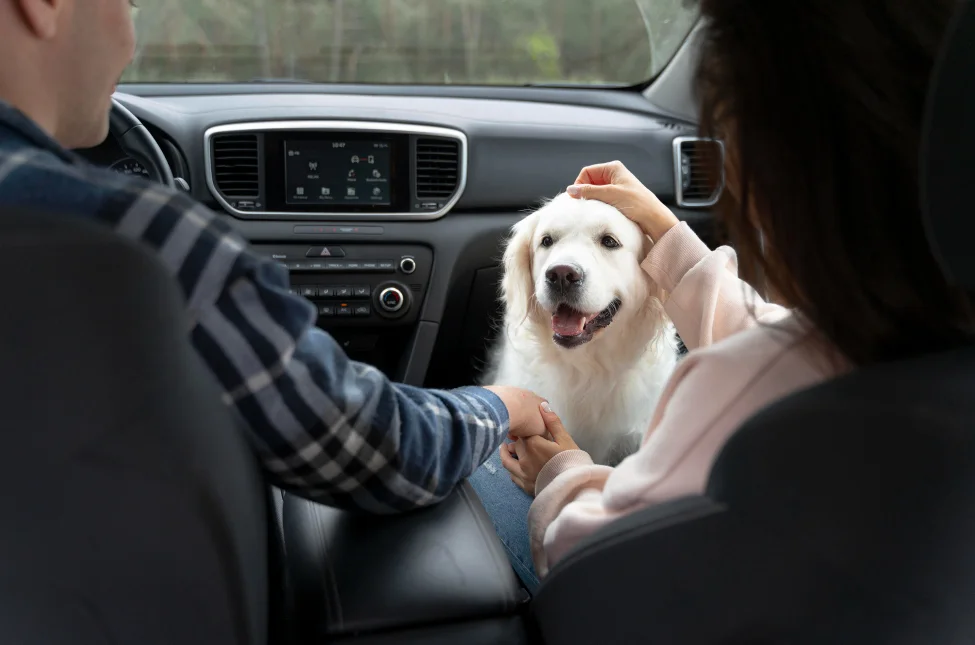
[526, 457]
[523, 410]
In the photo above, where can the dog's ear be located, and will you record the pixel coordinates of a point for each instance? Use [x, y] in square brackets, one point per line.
[517, 285]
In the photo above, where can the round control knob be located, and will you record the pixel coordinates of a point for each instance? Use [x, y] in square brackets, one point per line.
[391, 299]
[407, 265]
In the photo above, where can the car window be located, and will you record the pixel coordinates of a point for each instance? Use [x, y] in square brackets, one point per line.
[465, 42]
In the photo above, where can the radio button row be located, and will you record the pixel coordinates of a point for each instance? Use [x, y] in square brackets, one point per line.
[333, 266]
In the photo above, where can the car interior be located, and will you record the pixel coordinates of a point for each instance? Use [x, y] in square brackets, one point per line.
[389, 205]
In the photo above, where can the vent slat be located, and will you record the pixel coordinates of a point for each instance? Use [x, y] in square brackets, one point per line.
[437, 168]
[236, 165]
[698, 164]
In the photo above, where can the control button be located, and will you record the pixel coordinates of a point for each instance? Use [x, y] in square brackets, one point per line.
[325, 252]
[361, 291]
[407, 265]
[391, 299]
[326, 292]
[336, 265]
[344, 310]
[327, 310]
[297, 266]
[315, 266]
[308, 290]
[362, 310]
[387, 266]
[370, 266]
[353, 266]
[343, 292]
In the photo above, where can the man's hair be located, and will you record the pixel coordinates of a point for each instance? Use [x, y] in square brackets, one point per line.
[820, 104]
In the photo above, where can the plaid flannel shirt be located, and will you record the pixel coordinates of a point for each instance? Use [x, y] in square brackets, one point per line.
[326, 427]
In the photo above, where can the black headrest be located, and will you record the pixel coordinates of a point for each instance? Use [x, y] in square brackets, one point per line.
[947, 159]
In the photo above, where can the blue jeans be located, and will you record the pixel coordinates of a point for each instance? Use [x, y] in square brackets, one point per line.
[508, 507]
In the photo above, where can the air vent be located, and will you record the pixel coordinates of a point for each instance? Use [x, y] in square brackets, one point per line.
[235, 165]
[437, 168]
[698, 171]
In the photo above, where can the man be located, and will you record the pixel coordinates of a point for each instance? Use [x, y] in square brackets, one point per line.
[327, 427]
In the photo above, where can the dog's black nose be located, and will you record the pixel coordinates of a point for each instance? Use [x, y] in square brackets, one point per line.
[564, 276]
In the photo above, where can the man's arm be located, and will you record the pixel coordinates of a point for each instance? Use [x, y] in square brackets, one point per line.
[326, 427]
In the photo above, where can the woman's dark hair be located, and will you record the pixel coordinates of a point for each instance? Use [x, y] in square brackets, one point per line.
[820, 103]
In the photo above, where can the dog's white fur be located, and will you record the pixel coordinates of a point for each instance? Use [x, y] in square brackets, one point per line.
[605, 391]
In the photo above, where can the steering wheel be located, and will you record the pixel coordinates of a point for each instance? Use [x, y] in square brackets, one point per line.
[135, 141]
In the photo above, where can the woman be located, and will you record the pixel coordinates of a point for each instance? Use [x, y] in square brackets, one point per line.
[819, 104]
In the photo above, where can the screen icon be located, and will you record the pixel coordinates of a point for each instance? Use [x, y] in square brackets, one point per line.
[377, 190]
[355, 158]
[376, 174]
[300, 190]
[350, 191]
[351, 174]
[326, 191]
[312, 165]
[371, 159]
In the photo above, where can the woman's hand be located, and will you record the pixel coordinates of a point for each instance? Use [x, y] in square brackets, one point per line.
[523, 410]
[613, 184]
[525, 458]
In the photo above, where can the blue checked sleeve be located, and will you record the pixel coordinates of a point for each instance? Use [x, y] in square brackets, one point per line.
[325, 427]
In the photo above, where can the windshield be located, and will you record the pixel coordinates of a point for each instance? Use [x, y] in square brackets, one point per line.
[440, 42]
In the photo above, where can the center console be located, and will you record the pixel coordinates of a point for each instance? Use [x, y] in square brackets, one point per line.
[438, 575]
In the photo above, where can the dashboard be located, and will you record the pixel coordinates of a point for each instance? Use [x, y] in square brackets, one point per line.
[390, 209]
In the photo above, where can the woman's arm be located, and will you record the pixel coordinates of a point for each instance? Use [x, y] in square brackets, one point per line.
[708, 301]
[712, 392]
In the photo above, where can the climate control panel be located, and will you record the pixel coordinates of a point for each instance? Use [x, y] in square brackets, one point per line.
[357, 284]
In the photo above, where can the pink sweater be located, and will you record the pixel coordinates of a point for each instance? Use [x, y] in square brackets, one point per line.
[735, 367]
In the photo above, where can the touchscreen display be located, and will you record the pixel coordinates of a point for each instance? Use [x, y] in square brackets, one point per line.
[337, 172]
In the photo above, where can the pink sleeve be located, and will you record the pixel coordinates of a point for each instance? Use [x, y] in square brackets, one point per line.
[707, 301]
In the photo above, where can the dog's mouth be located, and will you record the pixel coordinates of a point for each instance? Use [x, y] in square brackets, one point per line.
[571, 327]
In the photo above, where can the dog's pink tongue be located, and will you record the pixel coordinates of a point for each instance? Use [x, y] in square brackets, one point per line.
[566, 322]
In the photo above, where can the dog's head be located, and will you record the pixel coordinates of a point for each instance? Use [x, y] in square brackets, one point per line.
[574, 266]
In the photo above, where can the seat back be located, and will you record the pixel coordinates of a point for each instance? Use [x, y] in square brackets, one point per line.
[133, 508]
[842, 514]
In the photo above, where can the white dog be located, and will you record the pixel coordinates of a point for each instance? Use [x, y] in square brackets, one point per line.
[584, 326]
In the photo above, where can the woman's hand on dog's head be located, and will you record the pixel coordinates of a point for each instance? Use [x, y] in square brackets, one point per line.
[615, 185]
[525, 458]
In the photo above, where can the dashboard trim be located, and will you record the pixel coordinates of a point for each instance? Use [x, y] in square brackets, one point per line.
[328, 126]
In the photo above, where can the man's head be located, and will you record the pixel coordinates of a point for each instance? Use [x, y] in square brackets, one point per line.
[62, 60]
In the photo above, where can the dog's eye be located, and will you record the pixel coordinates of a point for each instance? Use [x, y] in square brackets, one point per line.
[547, 241]
[610, 242]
